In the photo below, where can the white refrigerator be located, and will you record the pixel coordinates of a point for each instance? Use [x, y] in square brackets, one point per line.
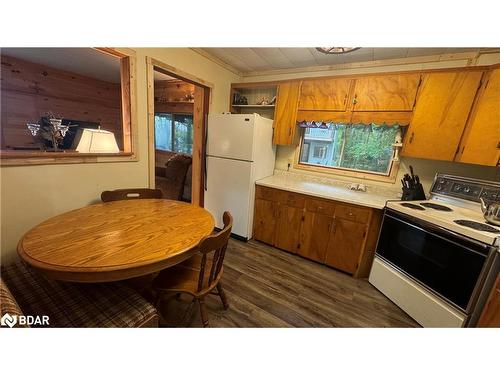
[239, 152]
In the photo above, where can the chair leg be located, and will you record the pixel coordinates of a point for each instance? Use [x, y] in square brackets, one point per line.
[157, 299]
[186, 313]
[203, 312]
[222, 296]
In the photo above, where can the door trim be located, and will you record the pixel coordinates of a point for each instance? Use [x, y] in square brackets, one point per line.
[200, 112]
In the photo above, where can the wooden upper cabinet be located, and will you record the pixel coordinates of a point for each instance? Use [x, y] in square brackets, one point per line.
[324, 94]
[395, 92]
[285, 113]
[481, 141]
[440, 115]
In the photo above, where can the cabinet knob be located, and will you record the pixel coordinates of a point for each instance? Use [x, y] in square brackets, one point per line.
[411, 137]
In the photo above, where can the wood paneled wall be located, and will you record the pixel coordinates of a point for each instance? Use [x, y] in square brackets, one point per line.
[170, 96]
[29, 91]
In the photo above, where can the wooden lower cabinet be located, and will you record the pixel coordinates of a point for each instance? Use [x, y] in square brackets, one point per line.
[345, 245]
[490, 317]
[288, 228]
[339, 235]
[315, 236]
[264, 226]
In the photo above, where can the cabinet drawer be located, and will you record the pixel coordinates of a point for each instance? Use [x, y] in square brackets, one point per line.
[361, 215]
[320, 207]
[291, 199]
[265, 193]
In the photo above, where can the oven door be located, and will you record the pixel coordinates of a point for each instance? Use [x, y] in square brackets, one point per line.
[448, 264]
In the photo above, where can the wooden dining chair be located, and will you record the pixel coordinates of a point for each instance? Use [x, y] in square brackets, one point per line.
[200, 274]
[141, 284]
[125, 194]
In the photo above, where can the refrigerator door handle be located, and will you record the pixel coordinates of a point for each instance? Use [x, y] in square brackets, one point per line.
[206, 143]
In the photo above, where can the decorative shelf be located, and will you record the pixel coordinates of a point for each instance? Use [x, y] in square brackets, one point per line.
[253, 105]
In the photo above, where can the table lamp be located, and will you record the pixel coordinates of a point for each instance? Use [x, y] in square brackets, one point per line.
[96, 141]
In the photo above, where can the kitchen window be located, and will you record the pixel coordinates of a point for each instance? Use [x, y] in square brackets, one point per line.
[358, 148]
[174, 132]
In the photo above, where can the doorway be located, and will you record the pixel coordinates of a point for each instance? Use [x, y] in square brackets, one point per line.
[178, 107]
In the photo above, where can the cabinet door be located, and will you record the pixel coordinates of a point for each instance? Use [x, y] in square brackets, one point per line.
[481, 143]
[490, 317]
[324, 94]
[396, 92]
[440, 115]
[314, 236]
[285, 113]
[345, 245]
[288, 228]
[264, 227]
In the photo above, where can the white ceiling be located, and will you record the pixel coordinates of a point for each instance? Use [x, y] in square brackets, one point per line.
[247, 60]
[84, 61]
[92, 63]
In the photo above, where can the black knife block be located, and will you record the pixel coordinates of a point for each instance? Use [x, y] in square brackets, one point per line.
[413, 194]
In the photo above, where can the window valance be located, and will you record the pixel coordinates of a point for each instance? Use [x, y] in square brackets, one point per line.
[331, 125]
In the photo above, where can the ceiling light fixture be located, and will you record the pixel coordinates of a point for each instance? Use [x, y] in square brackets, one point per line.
[336, 50]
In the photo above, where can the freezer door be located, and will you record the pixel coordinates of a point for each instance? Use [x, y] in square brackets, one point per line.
[230, 136]
[229, 188]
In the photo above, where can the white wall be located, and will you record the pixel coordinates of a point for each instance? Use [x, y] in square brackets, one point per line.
[31, 194]
[426, 169]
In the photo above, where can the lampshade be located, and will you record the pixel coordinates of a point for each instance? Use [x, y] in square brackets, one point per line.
[96, 141]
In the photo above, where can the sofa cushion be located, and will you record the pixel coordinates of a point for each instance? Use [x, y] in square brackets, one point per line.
[77, 305]
[175, 176]
[8, 304]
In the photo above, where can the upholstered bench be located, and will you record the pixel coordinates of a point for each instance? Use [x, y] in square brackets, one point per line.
[72, 304]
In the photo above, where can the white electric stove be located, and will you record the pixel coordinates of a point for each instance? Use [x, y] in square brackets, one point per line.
[437, 258]
[467, 221]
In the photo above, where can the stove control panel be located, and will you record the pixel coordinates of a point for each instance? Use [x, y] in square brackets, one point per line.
[466, 188]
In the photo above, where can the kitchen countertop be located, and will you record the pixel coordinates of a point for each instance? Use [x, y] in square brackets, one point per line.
[374, 197]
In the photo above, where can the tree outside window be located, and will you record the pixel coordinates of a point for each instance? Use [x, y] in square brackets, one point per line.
[366, 148]
[174, 132]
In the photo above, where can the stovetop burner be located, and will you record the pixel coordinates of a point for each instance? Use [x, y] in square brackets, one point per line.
[413, 206]
[435, 206]
[477, 225]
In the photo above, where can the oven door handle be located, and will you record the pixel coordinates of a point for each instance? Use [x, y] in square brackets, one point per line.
[434, 231]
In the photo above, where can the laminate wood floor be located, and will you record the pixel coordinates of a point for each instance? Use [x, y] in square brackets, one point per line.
[267, 287]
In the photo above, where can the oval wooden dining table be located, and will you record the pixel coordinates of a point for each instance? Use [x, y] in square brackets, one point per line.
[115, 240]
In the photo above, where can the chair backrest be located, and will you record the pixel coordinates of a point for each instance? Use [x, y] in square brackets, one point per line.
[175, 175]
[215, 244]
[125, 194]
